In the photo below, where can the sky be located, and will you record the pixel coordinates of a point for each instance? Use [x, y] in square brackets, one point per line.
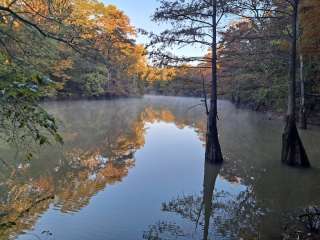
[139, 12]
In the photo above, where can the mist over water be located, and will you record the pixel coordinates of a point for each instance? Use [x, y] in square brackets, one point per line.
[134, 169]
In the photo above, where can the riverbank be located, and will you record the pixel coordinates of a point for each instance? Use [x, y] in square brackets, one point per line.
[89, 98]
[313, 116]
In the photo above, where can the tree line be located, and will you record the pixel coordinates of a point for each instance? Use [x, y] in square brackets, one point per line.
[259, 53]
[83, 48]
[57, 49]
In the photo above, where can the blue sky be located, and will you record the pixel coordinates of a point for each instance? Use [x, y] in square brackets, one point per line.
[139, 12]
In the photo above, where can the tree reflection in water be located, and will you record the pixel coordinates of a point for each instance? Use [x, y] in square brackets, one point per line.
[101, 139]
[211, 215]
[96, 154]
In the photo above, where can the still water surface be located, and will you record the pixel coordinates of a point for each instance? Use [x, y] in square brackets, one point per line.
[134, 169]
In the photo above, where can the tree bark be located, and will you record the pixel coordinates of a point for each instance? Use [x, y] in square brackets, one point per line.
[303, 115]
[213, 149]
[293, 152]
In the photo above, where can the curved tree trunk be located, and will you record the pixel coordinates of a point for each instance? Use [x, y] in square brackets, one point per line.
[293, 152]
[213, 149]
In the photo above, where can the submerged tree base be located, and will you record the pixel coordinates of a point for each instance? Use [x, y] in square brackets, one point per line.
[303, 119]
[293, 151]
[213, 154]
[213, 149]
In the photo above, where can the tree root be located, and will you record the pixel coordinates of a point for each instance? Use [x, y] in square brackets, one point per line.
[293, 151]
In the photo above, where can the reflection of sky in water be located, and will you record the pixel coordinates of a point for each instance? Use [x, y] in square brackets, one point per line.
[232, 188]
[102, 159]
[167, 166]
[96, 199]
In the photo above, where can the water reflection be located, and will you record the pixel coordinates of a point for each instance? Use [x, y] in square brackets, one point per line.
[99, 151]
[127, 164]
[216, 213]
[210, 176]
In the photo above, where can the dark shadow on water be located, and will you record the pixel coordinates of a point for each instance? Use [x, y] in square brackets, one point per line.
[214, 214]
[211, 172]
[197, 210]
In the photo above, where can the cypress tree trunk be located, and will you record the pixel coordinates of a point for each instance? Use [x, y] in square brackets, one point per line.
[303, 115]
[213, 149]
[293, 152]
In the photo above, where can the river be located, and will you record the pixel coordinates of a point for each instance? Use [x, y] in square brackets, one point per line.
[134, 169]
